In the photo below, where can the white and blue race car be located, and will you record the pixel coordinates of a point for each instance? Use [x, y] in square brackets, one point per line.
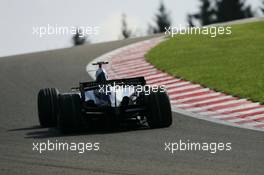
[112, 101]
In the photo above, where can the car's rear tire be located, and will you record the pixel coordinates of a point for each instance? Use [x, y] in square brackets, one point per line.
[69, 118]
[48, 107]
[158, 109]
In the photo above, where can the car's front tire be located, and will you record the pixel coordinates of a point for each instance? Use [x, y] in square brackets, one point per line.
[158, 109]
[48, 107]
[69, 118]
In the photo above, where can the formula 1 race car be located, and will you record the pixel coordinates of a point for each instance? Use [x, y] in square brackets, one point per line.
[112, 101]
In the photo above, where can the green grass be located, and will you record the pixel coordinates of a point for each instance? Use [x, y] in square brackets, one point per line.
[233, 64]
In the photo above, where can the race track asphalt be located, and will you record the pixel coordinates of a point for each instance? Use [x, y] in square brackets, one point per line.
[126, 152]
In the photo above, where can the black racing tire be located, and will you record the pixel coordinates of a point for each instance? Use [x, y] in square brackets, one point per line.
[48, 107]
[70, 117]
[158, 109]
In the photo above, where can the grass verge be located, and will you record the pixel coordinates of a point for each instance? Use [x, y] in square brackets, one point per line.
[233, 64]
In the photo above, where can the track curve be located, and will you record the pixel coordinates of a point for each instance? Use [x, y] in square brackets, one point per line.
[131, 152]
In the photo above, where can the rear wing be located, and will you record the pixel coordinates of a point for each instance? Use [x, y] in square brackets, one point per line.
[128, 81]
[86, 86]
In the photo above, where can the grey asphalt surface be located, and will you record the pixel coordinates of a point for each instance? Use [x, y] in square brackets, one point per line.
[126, 152]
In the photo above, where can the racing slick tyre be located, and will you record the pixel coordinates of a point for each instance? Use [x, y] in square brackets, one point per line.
[69, 118]
[158, 109]
[48, 107]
